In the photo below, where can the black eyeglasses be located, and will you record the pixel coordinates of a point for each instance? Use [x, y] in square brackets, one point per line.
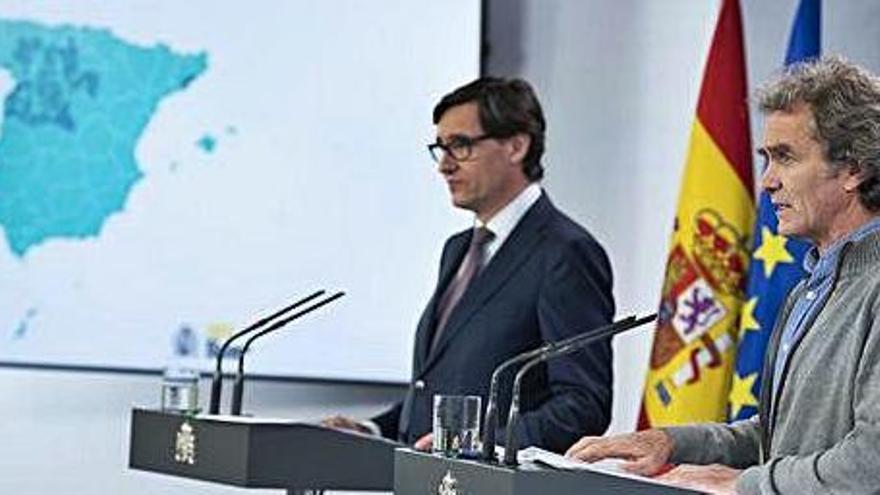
[459, 148]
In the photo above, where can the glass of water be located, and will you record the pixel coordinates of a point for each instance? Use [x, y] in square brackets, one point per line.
[457, 426]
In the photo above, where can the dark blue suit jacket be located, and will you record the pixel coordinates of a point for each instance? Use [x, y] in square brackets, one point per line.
[548, 281]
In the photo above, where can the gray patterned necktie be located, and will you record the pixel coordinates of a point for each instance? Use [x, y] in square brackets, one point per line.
[471, 265]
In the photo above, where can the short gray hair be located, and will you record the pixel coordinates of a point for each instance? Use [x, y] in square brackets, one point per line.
[845, 101]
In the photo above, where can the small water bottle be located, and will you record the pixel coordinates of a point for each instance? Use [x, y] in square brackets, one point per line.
[180, 377]
[180, 389]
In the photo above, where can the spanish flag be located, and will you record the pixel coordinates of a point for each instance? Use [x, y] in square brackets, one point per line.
[703, 289]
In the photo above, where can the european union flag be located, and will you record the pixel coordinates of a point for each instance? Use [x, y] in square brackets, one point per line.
[777, 261]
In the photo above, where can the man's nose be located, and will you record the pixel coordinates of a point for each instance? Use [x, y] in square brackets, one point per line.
[769, 180]
[446, 165]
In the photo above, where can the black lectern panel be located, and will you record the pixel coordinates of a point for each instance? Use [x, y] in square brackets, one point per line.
[418, 473]
[258, 453]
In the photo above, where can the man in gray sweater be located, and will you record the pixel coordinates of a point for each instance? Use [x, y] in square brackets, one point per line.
[818, 427]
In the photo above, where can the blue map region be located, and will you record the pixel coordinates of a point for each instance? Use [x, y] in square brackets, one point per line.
[80, 101]
[207, 143]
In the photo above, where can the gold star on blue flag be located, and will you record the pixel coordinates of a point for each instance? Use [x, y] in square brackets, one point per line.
[777, 266]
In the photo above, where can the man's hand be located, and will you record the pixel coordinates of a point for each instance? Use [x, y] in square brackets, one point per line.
[345, 423]
[647, 451]
[715, 478]
[424, 444]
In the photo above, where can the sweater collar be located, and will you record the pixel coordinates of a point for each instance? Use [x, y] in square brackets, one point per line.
[862, 253]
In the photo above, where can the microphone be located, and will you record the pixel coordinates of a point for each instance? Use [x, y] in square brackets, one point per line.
[510, 447]
[490, 423]
[239, 376]
[217, 379]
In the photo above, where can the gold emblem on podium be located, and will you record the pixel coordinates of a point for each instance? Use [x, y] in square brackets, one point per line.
[448, 485]
[185, 444]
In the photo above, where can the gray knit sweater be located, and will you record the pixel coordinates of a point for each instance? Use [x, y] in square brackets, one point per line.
[824, 432]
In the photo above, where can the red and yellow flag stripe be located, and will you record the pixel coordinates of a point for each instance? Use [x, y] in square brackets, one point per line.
[695, 340]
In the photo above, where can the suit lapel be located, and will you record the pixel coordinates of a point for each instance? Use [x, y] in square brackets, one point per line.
[515, 251]
[448, 267]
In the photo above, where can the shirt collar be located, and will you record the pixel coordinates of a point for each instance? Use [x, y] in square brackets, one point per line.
[503, 223]
[826, 264]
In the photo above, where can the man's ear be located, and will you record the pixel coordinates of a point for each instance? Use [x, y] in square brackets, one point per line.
[855, 175]
[519, 147]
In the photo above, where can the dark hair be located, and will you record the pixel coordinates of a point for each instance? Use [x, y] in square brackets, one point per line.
[845, 102]
[506, 107]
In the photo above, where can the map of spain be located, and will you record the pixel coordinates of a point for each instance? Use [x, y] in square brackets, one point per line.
[80, 101]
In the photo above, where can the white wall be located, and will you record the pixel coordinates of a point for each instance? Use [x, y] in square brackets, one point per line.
[619, 80]
[619, 86]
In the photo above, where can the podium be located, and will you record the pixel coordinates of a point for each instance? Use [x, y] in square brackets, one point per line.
[259, 453]
[420, 473]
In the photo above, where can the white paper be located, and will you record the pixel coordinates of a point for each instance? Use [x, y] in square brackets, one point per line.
[608, 466]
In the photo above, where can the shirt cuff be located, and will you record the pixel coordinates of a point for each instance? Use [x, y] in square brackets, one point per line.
[372, 426]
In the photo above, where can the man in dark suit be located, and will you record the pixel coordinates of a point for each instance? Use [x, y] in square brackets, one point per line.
[525, 275]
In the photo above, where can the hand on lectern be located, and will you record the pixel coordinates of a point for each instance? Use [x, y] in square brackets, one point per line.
[714, 478]
[648, 451]
[425, 443]
[345, 423]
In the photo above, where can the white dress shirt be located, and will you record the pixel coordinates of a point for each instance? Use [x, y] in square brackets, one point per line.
[503, 223]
